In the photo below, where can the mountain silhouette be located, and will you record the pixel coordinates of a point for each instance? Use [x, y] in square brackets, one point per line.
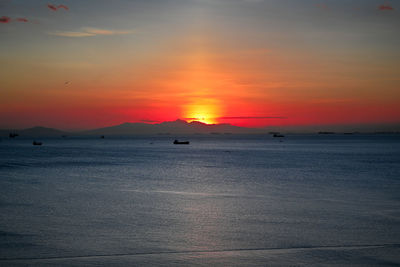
[196, 127]
[171, 127]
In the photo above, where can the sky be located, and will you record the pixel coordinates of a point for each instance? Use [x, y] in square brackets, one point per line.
[73, 64]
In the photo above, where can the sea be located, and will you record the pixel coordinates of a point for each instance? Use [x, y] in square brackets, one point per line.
[222, 200]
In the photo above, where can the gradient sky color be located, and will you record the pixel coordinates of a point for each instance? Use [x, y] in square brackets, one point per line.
[85, 64]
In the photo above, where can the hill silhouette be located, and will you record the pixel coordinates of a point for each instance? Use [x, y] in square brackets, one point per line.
[171, 127]
[196, 127]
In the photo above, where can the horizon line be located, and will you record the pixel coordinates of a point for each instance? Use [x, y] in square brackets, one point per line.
[294, 126]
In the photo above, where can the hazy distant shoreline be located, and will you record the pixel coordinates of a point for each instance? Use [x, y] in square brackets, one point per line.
[180, 127]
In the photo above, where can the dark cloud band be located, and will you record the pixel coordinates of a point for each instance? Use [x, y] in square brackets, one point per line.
[251, 118]
[241, 118]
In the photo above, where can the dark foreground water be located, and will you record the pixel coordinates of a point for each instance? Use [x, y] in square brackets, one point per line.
[222, 200]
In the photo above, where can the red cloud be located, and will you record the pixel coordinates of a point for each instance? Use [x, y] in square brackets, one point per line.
[22, 19]
[63, 6]
[5, 19]
[54, 8]
[385, 7]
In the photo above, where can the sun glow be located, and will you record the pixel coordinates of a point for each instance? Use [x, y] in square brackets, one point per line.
[201, 83]
[205, 113]
[202, 119]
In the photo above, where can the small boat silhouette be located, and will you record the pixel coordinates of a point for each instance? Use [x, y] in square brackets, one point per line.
[176, 142]
[278, 135]
[36, 143]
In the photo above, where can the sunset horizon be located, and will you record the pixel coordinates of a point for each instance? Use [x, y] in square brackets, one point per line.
[360, 128]
[249, 63]
[200, 133]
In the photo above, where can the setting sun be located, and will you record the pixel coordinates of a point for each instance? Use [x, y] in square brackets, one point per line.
[200, 132]
[232, 62]
[203, 112]
[203, 119]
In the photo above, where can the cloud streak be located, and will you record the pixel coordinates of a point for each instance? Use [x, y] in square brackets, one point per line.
[71, 34]
[22, 20]
[242, 118]
[385, 7]
[52, 7]
[63, 6]
[55, 8]
[87, 32]
[251, 118]
[5, 19]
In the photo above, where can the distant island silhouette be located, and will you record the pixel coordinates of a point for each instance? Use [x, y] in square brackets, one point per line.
[140, 128]
[195, 127]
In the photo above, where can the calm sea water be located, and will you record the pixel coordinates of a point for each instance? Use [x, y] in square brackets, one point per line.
[222, 200]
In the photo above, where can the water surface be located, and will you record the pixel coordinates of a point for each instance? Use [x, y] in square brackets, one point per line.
[222, 200]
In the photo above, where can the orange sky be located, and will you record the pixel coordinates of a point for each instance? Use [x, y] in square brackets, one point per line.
[248, 63]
